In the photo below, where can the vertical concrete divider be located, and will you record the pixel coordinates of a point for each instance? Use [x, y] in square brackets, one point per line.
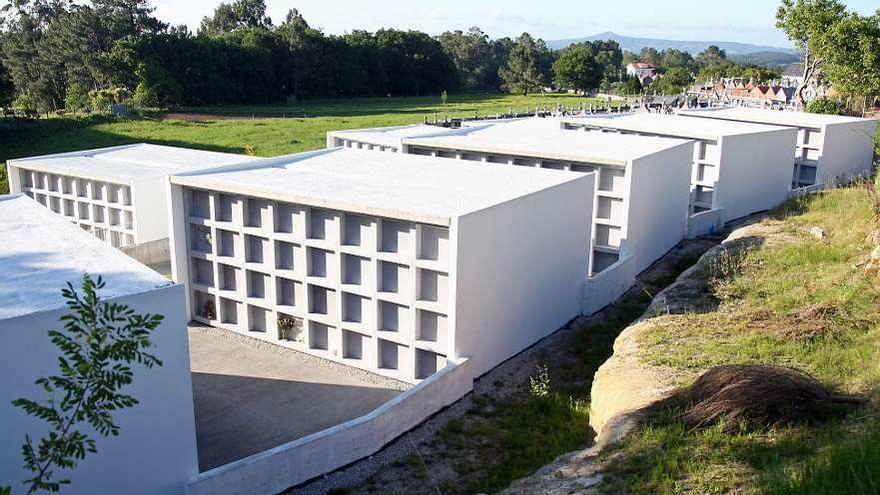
[605, 287]
[290, 464]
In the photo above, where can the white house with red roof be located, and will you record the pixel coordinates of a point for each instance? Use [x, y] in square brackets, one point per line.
[641, 70]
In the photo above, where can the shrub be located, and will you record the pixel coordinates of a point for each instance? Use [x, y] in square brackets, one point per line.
[827, 106]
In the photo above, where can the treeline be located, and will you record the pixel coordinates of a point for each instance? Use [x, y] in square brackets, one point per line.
[57, 54]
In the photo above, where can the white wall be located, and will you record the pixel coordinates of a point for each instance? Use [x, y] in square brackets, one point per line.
[150, 202]
[755, 172]
[13, 175]
[155, 452]
[519, 269]
[659, 198]
[848, 150]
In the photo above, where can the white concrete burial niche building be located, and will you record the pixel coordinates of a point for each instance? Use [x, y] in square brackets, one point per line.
[642, 191]
[829, 147]
[117, 193]
[738, 168]
[386, 262]
[155, 452]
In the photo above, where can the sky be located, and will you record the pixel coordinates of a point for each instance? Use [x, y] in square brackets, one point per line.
[747, 21]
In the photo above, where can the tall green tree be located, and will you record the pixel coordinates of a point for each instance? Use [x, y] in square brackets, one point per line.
[852, 59]
[711, 56]
[576, 68]
[527, 67]
[674, 81]
[807, 24]
[240, 14]
[473, 57]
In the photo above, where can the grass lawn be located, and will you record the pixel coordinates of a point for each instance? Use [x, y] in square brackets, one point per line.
[264, 136]
[806, 303]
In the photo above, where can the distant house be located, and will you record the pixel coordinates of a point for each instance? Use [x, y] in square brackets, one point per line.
[792, 76]
[642, 71]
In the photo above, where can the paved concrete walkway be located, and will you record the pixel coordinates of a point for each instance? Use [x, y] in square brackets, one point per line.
[251, 396]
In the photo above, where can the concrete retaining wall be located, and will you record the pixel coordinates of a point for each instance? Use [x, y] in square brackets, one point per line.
[150, 253]
[604, 288]
[705, 222]
[277, 469]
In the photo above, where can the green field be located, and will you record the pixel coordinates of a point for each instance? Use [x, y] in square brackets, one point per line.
[297, 127]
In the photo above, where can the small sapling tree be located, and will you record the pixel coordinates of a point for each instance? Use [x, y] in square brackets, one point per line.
[99, 344]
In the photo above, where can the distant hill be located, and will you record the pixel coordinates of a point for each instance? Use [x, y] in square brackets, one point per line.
[768, 59]
[693, 47]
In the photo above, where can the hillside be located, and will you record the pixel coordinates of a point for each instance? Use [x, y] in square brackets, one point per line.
[635, 44]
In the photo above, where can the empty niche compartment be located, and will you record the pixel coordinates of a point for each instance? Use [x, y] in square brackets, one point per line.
[611, 179]
[355, 308]
[287, 292]
[354, 268]
[199, 203]
[601, 261]
[255, 248]
[98, 214]
[353, 345]
[226, 243]
[433, 243]
[55, 204]
[83, 209]
[285, 255]
[473, 157]
[290, 328]
[101, 233]
[82, 188]
[229, 311]
[204, 305]
[607, 235]
[433, 286]
[389, 355]
[808, 174]
[322, 224]
[319, 336]
[703, 195]
[98, 191]
[525, 162]
[203, 272]
[504, 160]
[322, 300]
[284, 218]
[41, 198]
[200, 238]
[609, 208]
[227, 207]
[396, 237]
[115, 215]
[427, 363]
[67, 185]
[393, 277]
[70, 208]
[128, 219]
[320, 263]
[393, 317]
[257, 319]
[228, 277]
[257, 213]
[27, 178]
[256, 284]
[549, 164]
[431, 327]
[447, 154]
[584, 169]
[358, 230]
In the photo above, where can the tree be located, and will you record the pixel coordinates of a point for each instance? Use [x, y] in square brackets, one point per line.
[672, 58]
[527, 66]
[472, 54]
[711, 56]
[649, 55]
[674, 81]
[99, 344]
[76, 98]
[806, 23]
[631, 86]
[7, 88]
[577, 69]
[240, 14]
[852, 58]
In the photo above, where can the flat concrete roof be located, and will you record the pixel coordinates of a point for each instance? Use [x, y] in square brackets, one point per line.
[410, 187]
[41, 252]
[673, 125]
[389, 136]
[775, 117]
[123, 164]
[544, 138]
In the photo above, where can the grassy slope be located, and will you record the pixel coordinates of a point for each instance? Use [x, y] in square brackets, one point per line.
[805, 304]
[266, 136]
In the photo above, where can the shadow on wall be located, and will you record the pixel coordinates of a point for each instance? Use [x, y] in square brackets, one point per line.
[237, 416]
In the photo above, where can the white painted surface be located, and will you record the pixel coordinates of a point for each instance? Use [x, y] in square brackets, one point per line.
[755, 172]
[848, 150]
[519, 271]
[670, 125]
[293, 463]
[156, 451]
[659, 199]
[41, 253]
[604, 288]
[705, 222]
[773, 117]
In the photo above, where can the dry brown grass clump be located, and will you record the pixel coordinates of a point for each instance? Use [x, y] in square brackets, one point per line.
[759, 395]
